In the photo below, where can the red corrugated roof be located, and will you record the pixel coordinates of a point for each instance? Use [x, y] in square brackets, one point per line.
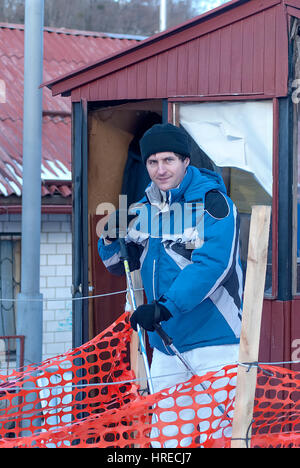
[64, 51]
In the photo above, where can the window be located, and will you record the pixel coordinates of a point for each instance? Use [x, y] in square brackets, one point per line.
[236, 139]
[10, 264]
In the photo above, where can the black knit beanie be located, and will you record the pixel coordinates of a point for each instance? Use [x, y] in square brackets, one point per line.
[162, 138]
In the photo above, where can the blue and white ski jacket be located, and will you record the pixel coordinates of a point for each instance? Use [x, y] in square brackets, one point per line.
[196, 273]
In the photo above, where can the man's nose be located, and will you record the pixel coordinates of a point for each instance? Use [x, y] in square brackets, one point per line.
[161, 169]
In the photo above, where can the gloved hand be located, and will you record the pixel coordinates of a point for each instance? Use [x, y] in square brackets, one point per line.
[117, 226]
[148, 315]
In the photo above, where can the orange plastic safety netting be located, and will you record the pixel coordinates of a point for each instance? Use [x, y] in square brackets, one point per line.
[89, 397]
[276, 416]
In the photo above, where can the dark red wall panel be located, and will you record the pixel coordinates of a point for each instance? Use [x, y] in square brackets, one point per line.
[248, 56]
[280, 332]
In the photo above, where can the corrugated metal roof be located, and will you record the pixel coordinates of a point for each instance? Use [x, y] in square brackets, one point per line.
[64, 50]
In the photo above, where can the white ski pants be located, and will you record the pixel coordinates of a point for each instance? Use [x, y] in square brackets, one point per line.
[168, 371]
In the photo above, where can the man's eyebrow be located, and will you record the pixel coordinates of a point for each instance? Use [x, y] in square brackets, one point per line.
[171, 156]
[163, 159]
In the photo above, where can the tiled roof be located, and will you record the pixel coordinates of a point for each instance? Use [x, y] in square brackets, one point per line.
[64, 50]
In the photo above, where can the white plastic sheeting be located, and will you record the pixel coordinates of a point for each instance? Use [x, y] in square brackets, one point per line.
[234, 134]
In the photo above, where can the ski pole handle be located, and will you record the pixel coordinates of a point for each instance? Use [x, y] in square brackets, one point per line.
[123, 250]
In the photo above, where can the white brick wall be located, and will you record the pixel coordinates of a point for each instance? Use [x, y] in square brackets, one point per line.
[55, 278]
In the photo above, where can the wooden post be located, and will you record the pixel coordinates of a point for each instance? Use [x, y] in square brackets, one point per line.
[251, 324]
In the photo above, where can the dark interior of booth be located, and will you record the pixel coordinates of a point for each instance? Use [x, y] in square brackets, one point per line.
[114, 168]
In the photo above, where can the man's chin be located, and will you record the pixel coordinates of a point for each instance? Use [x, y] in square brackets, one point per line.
[165, 186]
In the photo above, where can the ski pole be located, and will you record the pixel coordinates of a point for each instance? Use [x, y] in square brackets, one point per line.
[124, 257]
[168, 341]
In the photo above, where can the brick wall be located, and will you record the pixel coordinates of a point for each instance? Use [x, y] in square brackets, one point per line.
[55, 278]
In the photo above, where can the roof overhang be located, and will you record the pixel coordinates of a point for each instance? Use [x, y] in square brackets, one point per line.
[155, 44]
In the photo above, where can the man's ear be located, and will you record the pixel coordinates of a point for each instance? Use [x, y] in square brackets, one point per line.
[187, 162]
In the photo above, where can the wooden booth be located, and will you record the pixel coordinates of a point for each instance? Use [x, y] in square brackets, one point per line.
[230, 77]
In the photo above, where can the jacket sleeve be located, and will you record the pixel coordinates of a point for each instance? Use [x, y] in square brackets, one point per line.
[211, 264]
[110, 256]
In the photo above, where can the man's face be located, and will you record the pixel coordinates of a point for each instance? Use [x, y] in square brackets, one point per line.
[166, 170]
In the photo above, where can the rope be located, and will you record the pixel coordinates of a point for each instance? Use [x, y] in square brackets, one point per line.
[70, 298]
[70, 387]
[123, 382]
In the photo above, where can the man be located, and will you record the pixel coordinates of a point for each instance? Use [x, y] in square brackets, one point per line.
[191, 272]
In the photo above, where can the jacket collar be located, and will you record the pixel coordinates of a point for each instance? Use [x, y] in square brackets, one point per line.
[195, 184]
[154, 195]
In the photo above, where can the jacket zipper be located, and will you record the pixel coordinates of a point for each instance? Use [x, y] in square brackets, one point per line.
[153, 280]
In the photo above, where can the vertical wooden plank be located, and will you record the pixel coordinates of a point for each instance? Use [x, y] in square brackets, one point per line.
[265, 334]
[192, 70]
[287, 311]
[270, 54]
[142, 78]
[132, 82]
[251, 324]
[93, 91]
[282, 45]
[214, 63]
[172, 72]
[236, 58]
[75, 95]
[203, 65]
[162, 74]
[112, 86]
[84, 92]
[247, 63]
[102, 89]
[151, 77]
[277, 329]
[182, 78]
[122, 90]
[258, 53]
[225, 60]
